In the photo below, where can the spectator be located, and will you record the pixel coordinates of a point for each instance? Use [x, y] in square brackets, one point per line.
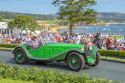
[34, 42]
[105, 41]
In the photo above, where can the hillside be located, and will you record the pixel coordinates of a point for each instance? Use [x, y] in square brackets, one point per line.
[103, 16]
[12, 15]
[111, 17]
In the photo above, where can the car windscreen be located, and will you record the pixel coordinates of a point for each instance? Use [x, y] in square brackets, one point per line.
[50, 42]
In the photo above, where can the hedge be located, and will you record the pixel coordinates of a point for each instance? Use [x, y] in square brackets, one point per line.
[44, 76]
[8, 45]
[112, 53]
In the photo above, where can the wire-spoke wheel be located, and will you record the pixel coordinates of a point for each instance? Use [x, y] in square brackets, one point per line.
[75, 61]
[20, 56]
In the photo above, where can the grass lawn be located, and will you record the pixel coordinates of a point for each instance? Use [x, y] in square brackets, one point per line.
[6, 49]
[113, 59]
[14, 81]
[48, 21]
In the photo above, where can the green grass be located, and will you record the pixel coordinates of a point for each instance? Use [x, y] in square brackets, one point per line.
[48, 21]
[14, 81]
[118, 36]
[43, 76]
[113, 59]
[6, 49]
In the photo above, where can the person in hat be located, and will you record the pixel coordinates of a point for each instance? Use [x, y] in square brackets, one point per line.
[34, 42]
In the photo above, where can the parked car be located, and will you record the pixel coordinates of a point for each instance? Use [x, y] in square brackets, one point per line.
[74, 55]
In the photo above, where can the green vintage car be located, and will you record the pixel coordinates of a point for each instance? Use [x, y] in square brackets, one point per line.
[74, 55]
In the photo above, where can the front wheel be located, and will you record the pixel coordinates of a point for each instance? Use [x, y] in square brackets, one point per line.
[96, 61]
[20, 56]
[75, 61]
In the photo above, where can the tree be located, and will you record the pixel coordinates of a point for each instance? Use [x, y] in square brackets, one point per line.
[23, 23]
[0, 18]
[76, 11]
[11, 24]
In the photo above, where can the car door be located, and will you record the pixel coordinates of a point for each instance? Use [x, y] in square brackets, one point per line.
[44, 52]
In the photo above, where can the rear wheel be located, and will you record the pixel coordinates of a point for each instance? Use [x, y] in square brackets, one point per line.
[75, 61]
[96, 61]
[20, 56]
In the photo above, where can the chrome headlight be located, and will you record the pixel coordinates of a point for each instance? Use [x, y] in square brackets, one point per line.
[82, 48]
[90, 47]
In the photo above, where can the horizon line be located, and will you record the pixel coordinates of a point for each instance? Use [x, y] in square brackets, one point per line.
[53, 13]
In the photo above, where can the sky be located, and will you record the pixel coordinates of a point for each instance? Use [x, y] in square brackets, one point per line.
[45, 6]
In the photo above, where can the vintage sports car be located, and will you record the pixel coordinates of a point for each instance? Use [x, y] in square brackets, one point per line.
[74, 55]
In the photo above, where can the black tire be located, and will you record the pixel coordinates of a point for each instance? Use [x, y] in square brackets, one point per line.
[20, 56]
[75, 61]
[96, 61]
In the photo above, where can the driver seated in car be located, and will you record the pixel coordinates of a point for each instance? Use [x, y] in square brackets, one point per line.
[34, 42]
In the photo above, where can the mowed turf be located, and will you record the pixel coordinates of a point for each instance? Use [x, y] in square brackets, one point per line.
[14, 81]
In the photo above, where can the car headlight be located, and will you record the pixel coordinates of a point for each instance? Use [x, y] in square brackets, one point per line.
[82, 48]
[90, 47]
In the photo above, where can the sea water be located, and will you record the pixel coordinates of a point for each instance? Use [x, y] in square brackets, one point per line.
[105, 29]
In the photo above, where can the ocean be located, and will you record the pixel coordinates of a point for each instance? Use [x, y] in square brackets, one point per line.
[117, 29]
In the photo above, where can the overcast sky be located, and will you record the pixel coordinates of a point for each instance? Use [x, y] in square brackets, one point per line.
[45, 6]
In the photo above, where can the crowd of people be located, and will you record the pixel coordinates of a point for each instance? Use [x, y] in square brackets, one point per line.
[108, 42]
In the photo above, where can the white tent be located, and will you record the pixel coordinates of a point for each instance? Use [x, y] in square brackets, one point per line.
[3, 25]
